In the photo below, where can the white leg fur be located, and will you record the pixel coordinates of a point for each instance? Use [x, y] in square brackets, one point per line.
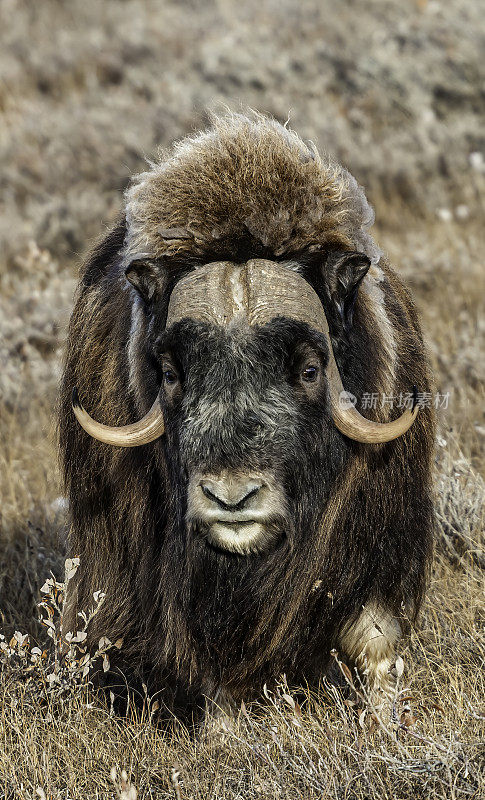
[370, 644]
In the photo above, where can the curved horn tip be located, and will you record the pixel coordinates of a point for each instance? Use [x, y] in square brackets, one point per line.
[353, 425]
[146, 430]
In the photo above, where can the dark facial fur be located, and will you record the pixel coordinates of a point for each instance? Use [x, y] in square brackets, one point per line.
[250, 401]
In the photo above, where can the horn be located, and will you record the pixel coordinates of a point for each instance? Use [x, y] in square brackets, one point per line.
[258, 292]
[275, 290]
[352, 424]
[142, 432]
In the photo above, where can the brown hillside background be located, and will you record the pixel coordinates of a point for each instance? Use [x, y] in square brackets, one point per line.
[395, 90]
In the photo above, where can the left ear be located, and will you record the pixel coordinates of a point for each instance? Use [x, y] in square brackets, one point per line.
[148, 278]
[342, 274]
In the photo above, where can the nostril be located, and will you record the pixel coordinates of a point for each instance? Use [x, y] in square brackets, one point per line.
[229, 501]
[251, 493]
[211, 496]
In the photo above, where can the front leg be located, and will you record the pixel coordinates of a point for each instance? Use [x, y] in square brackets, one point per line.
[369, 642]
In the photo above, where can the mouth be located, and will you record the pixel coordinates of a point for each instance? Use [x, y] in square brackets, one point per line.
[237, 512]
[242, 536]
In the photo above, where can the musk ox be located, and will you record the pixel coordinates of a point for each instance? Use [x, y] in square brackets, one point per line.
[257, 515]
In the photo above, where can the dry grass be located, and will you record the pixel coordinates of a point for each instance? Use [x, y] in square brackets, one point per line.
[56, 736]
[85, 94]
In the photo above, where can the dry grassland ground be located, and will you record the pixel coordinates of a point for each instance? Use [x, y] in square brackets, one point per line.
[87, 91]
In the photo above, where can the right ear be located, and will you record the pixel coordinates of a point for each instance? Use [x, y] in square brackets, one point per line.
[343, 273]
[147, 276]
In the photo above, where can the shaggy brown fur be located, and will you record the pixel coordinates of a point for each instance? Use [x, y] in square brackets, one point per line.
[246, 188]
[245, 176]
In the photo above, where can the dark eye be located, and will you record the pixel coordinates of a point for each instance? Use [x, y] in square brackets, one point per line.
[310, 374]
[169, 376]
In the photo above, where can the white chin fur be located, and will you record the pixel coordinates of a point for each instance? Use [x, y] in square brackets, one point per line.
[240, 538]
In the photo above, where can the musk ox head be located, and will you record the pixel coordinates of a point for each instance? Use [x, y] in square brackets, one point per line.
[251, 403]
